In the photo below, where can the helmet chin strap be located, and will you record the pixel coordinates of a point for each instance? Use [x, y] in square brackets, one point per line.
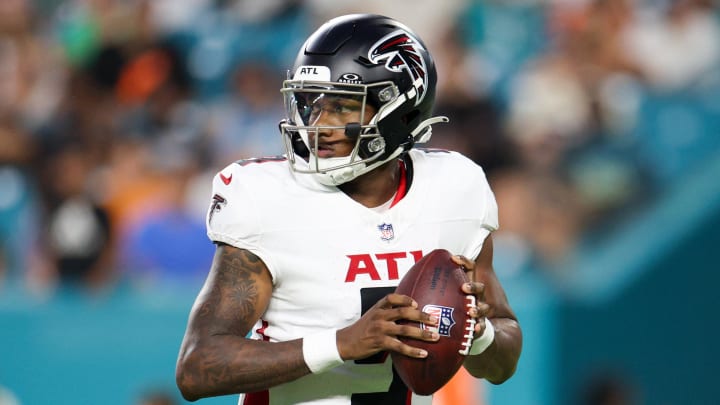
[336, 177]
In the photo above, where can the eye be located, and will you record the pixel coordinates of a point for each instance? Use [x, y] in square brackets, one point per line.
[345, 108]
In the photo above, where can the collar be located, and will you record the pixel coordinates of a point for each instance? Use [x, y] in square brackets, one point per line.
[403, 185]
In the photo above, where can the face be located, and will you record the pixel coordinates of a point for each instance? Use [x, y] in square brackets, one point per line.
[330, 113]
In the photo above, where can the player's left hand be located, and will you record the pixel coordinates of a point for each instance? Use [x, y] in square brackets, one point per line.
[476, 288]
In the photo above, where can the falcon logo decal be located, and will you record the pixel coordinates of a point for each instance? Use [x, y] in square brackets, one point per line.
[400, 51]
[218, 202]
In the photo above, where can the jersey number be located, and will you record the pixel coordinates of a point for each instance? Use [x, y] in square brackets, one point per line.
[397, 392]
[369, 297]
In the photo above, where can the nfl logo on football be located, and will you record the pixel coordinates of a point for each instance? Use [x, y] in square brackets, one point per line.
[444, 314]
[386, 232]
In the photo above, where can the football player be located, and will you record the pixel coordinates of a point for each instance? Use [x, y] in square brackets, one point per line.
[298, 307]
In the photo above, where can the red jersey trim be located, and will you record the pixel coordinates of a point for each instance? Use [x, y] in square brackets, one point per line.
[257, 398]
[402, 187]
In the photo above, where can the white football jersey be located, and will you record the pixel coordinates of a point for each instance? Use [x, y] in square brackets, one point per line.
[332, 258]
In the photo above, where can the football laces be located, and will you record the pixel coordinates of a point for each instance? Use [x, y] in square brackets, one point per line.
[469, 328]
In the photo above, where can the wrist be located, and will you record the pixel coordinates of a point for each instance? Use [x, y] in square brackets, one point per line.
[482, 342]
[320, 351]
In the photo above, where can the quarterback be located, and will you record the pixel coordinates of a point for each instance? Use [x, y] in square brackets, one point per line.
[298, 307]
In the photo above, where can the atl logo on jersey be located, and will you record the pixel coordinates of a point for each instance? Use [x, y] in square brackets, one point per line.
[380, 266]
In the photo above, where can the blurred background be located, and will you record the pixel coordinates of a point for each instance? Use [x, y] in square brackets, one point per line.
[597, 122]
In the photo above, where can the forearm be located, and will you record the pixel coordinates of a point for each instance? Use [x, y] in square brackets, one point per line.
[498, 362]
[228, 364]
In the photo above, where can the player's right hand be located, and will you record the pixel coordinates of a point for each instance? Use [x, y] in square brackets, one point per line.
[377, 329]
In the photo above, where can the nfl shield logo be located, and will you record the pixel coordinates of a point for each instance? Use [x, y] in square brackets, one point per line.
[444, 314]
[386, 232]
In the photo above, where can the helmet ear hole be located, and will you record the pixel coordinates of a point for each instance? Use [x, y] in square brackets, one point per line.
[410, 117]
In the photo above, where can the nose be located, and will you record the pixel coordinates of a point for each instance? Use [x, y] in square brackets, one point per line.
[325, 121]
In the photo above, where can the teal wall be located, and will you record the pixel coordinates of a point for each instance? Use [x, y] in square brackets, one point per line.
[659, 335]
[641, 308]
[537, 309]
[78, 349]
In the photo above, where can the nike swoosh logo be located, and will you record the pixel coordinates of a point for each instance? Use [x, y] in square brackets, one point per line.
[227, 179]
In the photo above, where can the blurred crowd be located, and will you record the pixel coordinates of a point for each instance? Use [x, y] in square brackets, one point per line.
[115, 115]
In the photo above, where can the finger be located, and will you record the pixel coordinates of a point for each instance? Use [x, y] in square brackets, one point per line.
[474, 287]
[414, 331]
[396, 345]
[483, 309]
[479, 311]
[397, 300]
[412, 314]
[463, 261]
[480, 327]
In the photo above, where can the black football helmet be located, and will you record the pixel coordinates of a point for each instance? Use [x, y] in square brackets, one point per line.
[372, 59]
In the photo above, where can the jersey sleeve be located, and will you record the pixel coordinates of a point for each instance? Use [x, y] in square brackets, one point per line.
[490, 214]
[232, 216]
[485, 210]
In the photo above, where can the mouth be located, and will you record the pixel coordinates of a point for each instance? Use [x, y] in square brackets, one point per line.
[325, 149]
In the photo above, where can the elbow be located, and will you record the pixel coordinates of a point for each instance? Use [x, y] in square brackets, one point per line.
[511, 357]
[499, 363]
[501, 376]
[187, 391]
[184, 380]
[495, 375]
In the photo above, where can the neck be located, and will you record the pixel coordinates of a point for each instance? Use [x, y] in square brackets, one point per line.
[375, 187]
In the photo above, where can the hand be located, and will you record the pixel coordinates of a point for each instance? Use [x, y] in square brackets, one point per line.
[377, 330]
[476, 288]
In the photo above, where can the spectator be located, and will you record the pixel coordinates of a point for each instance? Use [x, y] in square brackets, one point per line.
[79, 235]
[239, 120]
[167, 244]
[675, 46]
[18, 203]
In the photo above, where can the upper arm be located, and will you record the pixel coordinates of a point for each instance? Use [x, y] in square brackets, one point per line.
[235, 295]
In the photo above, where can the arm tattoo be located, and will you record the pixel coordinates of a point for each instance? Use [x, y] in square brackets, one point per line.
[224, 362]
[230, 304]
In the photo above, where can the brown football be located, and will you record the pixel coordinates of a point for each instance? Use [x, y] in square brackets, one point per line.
[435, 283]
